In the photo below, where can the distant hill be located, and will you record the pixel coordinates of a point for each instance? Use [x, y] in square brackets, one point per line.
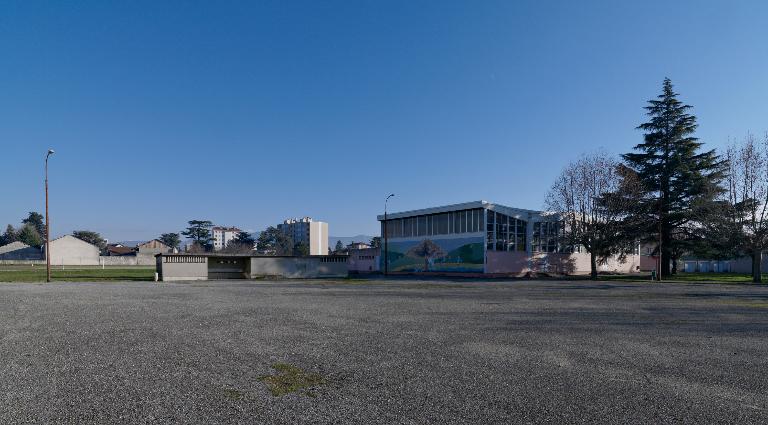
[346, 240]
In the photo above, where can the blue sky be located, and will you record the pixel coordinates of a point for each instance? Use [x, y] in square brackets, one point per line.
[249, 112]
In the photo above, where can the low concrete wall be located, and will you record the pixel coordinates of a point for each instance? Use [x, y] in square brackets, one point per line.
[513, 262]
[27, 262]
[176, 267]
[298, 267]
[127, 260]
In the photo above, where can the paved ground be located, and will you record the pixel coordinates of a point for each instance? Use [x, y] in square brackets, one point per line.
[412, 352]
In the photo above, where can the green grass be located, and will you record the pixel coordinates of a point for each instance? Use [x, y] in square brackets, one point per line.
[26, 273]
[728, 278]
[291, 379]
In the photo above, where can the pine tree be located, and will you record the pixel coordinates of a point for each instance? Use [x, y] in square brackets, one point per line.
[9, 236]
[671, 166]
[30, 236]
[199, 231]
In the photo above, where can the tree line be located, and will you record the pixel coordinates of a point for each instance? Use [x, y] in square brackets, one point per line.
[670, 192]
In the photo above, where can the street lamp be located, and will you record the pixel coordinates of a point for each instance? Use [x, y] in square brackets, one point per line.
[386, 246]
[47, 223]
[661, 231]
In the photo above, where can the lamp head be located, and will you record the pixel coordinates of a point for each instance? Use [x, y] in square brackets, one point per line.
[50, 152]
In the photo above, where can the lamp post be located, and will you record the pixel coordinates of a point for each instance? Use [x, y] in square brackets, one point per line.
[386, 246]
[47, 223]
[661, 230]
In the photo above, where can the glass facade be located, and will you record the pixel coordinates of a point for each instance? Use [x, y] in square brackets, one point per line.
[547, 237]
[505, 233]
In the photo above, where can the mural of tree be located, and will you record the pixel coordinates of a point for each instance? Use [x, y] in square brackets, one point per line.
[427, 250]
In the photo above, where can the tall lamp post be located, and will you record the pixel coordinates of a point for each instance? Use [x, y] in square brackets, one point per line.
[386, 246]
[47, 223]
[661, 230]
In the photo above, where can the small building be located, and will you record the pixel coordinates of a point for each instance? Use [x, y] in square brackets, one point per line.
[305, 230]
[222, 236]
[187, 267]
[153, 247]
[19, 251]
[364, 260]
[484, 238]
[71, 251]
[357, 245]
[118, 250]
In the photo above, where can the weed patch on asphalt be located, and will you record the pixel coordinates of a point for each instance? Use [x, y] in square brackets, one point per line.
[436, 286]
[292, 379]
[752, 304]
[233, 394]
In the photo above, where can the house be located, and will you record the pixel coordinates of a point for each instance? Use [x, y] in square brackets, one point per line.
[69, 250]
[20, 251]
[153, 247]
[357, 245]
[113, 250]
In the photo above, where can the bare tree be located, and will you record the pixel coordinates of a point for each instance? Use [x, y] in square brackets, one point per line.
[593, 196]
[747, 196]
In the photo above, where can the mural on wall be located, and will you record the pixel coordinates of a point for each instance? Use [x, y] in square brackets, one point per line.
[441, 255]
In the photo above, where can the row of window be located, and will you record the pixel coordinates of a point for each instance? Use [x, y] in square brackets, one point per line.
[333, 259]
[467, 221]
[503, 233]
[184, 259]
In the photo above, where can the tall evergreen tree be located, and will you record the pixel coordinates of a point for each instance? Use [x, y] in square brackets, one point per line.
[199, 231]
[671, 165]
[274, 242]
[37, 221]
[170, 239]
[9, 236]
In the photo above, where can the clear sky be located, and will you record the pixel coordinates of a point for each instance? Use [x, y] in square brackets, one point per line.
[246, 113]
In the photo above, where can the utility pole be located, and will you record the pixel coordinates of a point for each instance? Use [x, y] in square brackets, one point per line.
[386, 245]
[47, 223]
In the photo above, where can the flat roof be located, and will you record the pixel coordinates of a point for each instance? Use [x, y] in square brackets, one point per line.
[511, 211]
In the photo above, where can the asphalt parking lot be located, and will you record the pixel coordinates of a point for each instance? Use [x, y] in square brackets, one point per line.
[403, 351]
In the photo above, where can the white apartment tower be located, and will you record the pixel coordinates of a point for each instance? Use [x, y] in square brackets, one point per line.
[312, 233]
[223, 235]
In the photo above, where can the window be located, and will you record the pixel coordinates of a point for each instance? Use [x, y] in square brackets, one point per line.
[421, 222]
[547, 236]
[504, 233]
[442, 224]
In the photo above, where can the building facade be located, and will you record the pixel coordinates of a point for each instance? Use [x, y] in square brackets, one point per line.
[223, 235]
[482, 237]
[305, 230]
[71, 251]
[20, 251]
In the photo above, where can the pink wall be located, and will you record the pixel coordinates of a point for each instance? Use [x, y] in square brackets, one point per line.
[500, 262]
[360, 260]
[506, 262]
[648, 263]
